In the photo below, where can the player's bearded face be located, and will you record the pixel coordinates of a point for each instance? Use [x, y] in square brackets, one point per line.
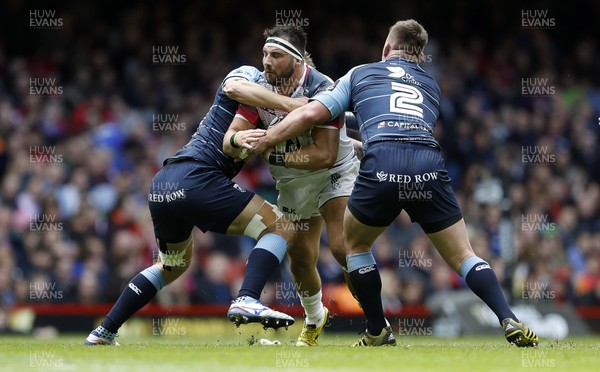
[280, 72]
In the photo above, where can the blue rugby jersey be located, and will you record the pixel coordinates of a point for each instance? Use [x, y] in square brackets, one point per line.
[206, 144]
[392, 100]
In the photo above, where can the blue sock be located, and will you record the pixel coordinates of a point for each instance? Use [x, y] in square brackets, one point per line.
[366, 281]
[480, 277]
[264, 259]
[140, 290]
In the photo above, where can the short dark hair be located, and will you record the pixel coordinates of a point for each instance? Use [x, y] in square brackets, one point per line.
[408, 36]
[295, 35]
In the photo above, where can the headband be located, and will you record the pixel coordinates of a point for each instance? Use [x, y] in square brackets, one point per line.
[285, 46]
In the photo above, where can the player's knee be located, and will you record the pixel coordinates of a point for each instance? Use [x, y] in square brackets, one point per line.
[266, 220]
[301, 267]
[302, 259]
[457, 261]
[173, 272]
[338, 250]
[352, 246]
[288, 235]
[460, 253]
[339, 253]
[175, 258]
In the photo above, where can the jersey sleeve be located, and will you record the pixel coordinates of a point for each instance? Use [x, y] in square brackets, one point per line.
[248, 113]
[337, 97]
[245, 72]
[336, 123]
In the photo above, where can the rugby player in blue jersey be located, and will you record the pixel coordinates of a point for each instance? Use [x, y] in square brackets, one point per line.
[206, 197]
[315, 171]
[396, 104]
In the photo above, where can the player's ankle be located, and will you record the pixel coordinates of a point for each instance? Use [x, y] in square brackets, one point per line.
[105, 333]
[247, 299]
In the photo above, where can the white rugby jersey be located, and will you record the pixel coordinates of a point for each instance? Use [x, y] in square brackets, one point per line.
[312, 82]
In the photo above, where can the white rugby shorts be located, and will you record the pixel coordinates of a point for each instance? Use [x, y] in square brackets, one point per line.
[300, 198]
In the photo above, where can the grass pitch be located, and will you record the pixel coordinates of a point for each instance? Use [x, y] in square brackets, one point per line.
[227, 348]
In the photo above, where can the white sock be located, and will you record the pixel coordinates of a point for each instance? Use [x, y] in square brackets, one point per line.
[313, 307]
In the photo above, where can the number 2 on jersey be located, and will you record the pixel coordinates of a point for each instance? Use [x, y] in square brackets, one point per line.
[406, 100]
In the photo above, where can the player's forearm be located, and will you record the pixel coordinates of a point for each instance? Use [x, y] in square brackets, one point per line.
[228, 147]
[253, 94]
[295, 123]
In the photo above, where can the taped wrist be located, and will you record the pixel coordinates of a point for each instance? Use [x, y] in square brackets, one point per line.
[232, 141]
[277, 159]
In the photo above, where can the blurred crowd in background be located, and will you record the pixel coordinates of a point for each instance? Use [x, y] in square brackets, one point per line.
[519, 127]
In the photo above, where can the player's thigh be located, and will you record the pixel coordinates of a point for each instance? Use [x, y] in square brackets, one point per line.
[298, 202]
[332, 204]
[427, 194]
[374, 199]
[298, 197]
[429, 200]
[168, 203]
[304, 251]
[453, 244]
[359, 237]
[211, 201]
[258, 218]
[371, 208]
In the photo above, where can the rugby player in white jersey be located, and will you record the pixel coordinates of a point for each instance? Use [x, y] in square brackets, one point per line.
[315, 171]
